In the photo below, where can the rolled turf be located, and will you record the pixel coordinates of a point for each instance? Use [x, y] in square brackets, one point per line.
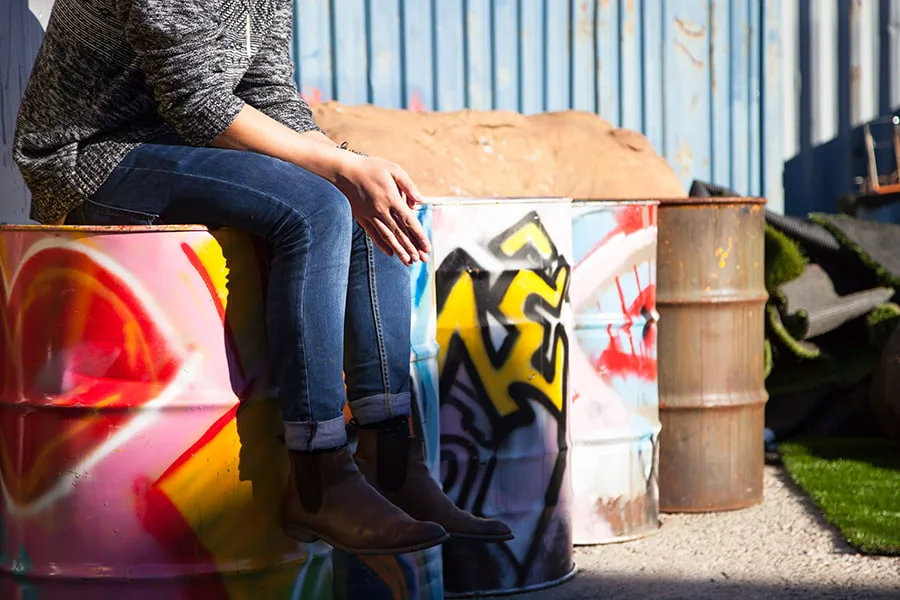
[855, 482]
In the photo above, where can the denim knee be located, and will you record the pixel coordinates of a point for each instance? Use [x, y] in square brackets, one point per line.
[326, 223]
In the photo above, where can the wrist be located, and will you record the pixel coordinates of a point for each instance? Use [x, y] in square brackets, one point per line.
[327, 161]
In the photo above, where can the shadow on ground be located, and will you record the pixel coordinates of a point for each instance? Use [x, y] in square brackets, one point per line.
[622, 587]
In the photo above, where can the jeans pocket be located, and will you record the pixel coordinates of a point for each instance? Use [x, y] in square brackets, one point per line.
[96, 213]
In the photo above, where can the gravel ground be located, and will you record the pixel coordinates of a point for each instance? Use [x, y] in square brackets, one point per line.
[779, 549]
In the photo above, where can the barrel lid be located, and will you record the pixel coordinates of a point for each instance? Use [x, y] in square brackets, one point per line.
[470, 200]
[9, 228]
[701, 201]
[617, 201]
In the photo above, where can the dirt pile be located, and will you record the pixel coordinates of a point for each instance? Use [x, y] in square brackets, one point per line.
[499, 153]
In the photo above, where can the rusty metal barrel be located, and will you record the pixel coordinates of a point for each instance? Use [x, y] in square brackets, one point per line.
[711, 299]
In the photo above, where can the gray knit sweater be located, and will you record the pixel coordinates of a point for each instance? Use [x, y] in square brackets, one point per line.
[114, 73]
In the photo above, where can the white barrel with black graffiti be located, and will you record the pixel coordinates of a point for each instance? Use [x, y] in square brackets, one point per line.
[615, 398]
[502, 275]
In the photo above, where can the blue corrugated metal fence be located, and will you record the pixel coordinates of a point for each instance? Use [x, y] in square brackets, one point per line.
[842, 69]
[692, 75]
[765, 96]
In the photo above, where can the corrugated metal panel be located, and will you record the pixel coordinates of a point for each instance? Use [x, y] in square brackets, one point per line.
[21, 30]
[690, 74]
[841, 69]
[739, 92]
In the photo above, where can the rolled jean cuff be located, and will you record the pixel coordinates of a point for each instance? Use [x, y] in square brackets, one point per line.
[307, 436]
[380, 407]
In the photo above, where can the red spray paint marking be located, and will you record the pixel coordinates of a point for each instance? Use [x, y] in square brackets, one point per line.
[162, 519]
[630, 219]
[625, 309]
[312, 96]
[220, 309]
[639, 362]
[416, 104]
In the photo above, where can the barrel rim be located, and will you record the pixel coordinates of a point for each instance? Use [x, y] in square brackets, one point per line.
[120, 229]
[714, 200]
[618, 202]
[499, 200]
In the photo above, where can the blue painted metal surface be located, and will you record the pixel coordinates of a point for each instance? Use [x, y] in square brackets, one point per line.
[21, 30]
[696, 76]
[765, 96]
[841, 66]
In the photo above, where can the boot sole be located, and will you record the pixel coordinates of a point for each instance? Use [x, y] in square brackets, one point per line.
[486, 539]
[302, 534]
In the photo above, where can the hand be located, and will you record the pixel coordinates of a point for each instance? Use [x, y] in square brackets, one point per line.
[382, 197]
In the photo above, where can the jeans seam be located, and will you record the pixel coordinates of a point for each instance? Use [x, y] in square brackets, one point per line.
[301, 301]
[379, 331]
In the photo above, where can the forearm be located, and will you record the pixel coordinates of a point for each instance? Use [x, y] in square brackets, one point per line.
[254, 131]
[319, 136]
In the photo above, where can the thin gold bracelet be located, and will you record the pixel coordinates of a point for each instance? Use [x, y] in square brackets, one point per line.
[345, 146]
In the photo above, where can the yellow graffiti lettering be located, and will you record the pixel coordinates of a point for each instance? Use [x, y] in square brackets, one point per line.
[531, 234]
[467, 313]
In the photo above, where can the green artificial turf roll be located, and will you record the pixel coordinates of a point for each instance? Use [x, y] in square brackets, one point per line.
[784, 259]
[882, 322]
[855, 482]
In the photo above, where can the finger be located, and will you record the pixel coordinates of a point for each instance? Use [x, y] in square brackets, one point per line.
[406, 185]
[395, 224]
[377, 239]
[391, 240]
[416, 233]
[407, 236]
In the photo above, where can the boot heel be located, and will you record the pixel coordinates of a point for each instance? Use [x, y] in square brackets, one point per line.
[301, 534]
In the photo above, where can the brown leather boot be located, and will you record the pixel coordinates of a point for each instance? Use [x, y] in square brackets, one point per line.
[394, 463]
[327, 498]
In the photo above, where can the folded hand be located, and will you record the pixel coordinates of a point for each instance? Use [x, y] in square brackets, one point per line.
[382, 197]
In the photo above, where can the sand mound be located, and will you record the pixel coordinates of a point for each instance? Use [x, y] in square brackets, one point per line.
[499, 153]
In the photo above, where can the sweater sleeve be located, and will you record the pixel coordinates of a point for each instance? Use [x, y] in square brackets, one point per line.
[268, 85]
[176, 42]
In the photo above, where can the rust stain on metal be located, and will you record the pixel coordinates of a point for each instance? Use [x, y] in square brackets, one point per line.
[690, 29]
[584, 25]
[685, 158]
[694, 60]
[626, 516]
[629, 18]
[711, 331]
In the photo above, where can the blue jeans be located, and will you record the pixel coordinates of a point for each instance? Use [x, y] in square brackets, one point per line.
[335, 302]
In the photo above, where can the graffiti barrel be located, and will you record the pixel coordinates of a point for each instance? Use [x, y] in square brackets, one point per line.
[504, 326]
[424, 349]
[139, 451]
[614, 419]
